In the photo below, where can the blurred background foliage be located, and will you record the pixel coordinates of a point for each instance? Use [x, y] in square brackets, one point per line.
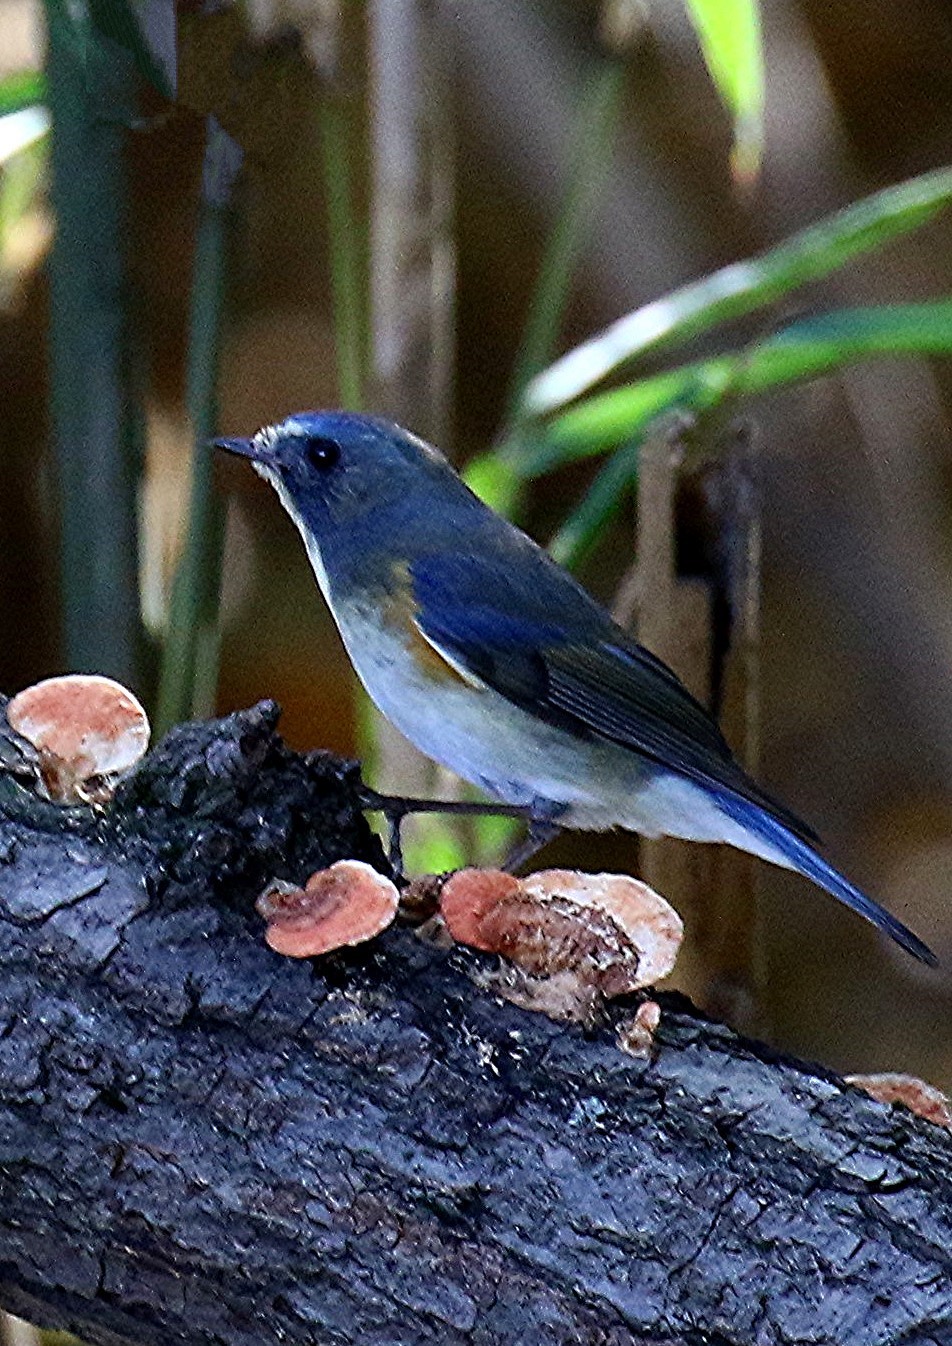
[414, 206]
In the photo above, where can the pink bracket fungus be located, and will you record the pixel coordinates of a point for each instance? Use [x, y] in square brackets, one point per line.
[87, 731]
[913, 1093]
[469, 897]
[345, 904]
[605, 934]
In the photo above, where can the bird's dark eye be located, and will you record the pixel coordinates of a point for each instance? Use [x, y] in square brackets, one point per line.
[322, 453]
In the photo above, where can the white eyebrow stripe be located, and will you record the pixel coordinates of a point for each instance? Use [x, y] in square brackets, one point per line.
[292, 426]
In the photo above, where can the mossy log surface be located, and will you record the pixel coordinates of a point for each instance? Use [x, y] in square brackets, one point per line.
[202, 1142]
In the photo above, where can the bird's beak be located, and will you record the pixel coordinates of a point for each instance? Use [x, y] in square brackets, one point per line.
[244, 448]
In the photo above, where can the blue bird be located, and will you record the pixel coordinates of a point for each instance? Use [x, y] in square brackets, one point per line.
[492, 660]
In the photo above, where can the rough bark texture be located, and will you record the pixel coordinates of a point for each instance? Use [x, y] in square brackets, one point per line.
[201, 1142]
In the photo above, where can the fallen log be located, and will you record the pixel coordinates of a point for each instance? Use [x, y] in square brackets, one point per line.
[203, 1142]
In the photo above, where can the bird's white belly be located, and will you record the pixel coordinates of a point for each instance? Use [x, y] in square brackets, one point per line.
[519, 758]
[471, 729]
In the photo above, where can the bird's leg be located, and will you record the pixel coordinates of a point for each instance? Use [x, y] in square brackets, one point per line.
[541, 832]
[396, 807]
[395, 843]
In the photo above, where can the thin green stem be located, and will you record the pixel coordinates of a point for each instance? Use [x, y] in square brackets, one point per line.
[346, 252]
[495, 475]
[593, 143]
[599, 506]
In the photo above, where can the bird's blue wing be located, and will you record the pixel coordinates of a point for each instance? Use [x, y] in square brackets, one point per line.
[534, 636]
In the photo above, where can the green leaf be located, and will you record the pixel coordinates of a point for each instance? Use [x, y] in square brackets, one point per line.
[19, 130]
[730, 37]
[743, 287]
[496, 475]
[804, 350]
[602, 422]
[21, 90]
[493, 478]
[598, 507]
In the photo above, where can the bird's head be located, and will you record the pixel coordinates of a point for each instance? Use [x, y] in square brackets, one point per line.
[330, 467]
[365, 495]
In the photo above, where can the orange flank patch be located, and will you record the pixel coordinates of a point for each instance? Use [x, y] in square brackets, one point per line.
[401, 610]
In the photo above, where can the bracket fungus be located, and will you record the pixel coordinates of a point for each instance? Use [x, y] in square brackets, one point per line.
[913, 1093]
[581, 936]
[87, 732]
[346, 904]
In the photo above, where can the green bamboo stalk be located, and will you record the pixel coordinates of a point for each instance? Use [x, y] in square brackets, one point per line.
[96, 434]
[190, 659]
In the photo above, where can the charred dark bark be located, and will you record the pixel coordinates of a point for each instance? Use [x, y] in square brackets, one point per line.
[201, 1142]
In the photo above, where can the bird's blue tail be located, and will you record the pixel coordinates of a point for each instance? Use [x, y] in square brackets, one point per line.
[805, 860]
